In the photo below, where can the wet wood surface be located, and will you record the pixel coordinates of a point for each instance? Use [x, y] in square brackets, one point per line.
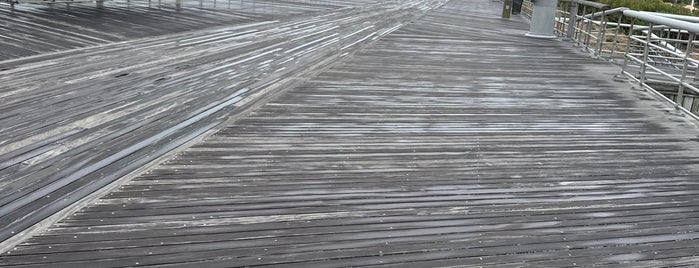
[453, 141]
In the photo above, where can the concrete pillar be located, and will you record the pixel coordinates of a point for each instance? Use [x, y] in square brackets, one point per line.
[542, 19]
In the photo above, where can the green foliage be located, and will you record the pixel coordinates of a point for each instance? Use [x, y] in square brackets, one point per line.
[652, 5]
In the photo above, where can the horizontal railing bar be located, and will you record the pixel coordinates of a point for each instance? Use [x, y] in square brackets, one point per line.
[674, 23]
[589, 3]
[674, 16]
[606, 12]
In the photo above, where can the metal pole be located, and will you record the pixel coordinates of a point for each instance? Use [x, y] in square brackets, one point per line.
[646, 50]
[572, 18]
[559, 16]
[578, 26]
[601, 32]
[616, 36]
[589, 30]
[687, 54]
[628, 47]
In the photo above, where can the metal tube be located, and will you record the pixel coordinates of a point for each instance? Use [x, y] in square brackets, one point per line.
[589, 32]
[680, 91]
[578, 27]
[590, 3]
[675, 41]
[616, 36]
[628, 46]
[674, 16]
[557, 20]
[646, 50]
[601, 32]
[608, 12]
[572, 19]
[661, 20]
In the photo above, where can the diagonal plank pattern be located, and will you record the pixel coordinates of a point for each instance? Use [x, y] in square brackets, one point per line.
[37, 29]
[454, 141]
[75, 123]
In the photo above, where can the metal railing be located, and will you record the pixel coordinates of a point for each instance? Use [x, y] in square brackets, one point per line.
[655, 50]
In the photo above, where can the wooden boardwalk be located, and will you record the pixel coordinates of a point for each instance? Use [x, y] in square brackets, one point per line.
[77, 120]
[37, 29]
[452, 141]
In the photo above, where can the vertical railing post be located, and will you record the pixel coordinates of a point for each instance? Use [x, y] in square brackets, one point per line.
[678, 38]
[579, 26]
[628, 48]
[616, 36]
[588, 34]
[646, 51]
[667, 38]
[601, 34]
[687, 55]
[558, 24]
[572, 18]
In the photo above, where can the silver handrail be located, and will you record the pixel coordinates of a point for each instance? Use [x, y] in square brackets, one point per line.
[657, 49]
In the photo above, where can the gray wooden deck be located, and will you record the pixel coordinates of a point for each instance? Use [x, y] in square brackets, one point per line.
[453, 141]
[37, 29]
